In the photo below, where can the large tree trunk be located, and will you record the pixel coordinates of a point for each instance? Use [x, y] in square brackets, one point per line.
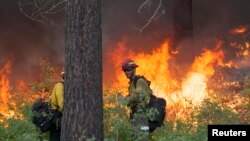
[183, 21]
[83, 114]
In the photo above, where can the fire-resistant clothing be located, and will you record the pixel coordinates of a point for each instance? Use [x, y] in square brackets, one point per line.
[139, 93]
[57, 97]
[138, 99]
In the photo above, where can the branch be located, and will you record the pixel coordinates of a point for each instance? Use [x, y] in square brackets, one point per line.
[41, 10]
[155, 15]
[144, 4]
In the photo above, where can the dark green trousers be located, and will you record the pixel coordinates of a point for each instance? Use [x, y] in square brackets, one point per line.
[54, 134]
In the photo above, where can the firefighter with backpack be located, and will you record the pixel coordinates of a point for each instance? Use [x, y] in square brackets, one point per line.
[57, 107]
[140, 100]
[47, 114]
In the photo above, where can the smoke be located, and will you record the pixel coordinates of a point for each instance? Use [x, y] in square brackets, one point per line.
[25, 42]
[212, 22]
[120, 19]
[28, 41]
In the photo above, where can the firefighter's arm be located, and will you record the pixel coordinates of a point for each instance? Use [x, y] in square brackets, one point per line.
[60, 95]
[54, 99]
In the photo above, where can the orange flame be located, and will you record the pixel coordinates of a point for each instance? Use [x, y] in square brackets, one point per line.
[239, 30]
[4, 90]
[149, 64]
[18, 96]
[194, 86]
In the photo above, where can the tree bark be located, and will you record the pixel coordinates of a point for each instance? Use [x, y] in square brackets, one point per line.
[183, 21]
[83, 103]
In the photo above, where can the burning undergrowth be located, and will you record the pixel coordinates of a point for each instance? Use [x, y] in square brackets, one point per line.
[221, 66]
[13, 96]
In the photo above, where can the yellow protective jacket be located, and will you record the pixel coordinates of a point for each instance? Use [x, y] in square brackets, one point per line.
[57, 97]
[139, 93]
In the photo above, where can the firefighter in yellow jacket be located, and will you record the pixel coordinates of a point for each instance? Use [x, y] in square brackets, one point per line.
[57, 106]
[57, 95]
[138, 98]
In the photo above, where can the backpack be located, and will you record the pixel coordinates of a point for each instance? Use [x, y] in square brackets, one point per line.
[159, 104]
[42, 115]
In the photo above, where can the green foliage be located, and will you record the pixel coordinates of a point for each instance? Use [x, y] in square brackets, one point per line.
[195, 128]
[116, 119]
[117, 126]
[21, 129]
[212, 112]
[3, 132]
[178, 131]
[245, 106]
